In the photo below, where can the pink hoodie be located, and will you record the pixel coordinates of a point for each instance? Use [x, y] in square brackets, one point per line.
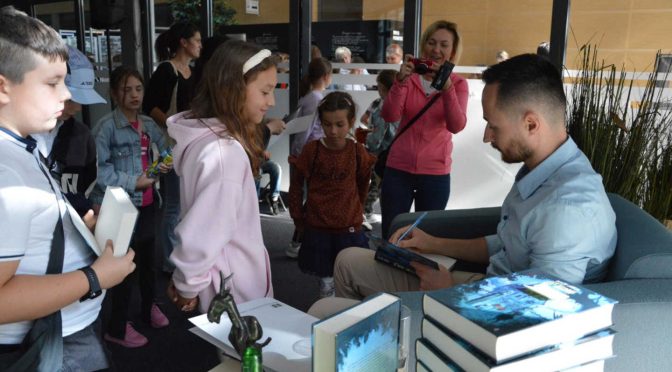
[427, 146]
[220, 227]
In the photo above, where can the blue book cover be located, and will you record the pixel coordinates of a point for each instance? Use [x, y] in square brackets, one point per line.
[531, 307]
[401, 258]
[371, 344]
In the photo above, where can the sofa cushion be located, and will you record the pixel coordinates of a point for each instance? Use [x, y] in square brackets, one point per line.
[644, 247]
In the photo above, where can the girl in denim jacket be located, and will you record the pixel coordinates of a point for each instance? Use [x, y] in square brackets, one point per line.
[126, 143]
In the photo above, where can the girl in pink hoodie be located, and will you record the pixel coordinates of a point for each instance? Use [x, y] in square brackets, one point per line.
[217, 157]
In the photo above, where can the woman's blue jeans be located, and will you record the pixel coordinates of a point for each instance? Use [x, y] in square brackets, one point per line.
[399, 189]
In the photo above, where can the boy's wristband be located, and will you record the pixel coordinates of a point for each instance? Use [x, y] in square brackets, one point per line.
[94, 285]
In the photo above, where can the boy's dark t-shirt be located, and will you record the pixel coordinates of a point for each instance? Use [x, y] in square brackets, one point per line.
[73, 163]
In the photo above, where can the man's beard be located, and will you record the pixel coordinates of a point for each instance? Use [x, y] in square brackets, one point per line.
[518, 154]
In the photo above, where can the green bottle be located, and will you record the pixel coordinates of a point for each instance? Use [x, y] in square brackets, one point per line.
[252, 361]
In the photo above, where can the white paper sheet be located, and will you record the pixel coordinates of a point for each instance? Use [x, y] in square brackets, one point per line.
[289, 328]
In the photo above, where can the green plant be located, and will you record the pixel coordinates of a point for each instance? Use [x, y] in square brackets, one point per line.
[629, 145]
[190, 11]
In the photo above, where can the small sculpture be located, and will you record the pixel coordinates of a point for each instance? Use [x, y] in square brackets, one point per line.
[245, 330]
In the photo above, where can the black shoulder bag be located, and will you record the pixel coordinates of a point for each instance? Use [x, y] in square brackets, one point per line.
[381, 161]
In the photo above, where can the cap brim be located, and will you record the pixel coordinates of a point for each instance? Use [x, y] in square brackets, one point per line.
[85, 96]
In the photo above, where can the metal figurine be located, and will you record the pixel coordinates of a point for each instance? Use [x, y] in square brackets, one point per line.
[245, 330]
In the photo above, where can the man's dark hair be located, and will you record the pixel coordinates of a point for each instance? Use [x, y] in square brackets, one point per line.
[20, 38]
[528, 78]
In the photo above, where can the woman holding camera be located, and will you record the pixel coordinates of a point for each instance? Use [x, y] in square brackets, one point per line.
[419, 161]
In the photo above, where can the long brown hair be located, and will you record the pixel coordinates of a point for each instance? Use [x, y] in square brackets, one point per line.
[221, 95]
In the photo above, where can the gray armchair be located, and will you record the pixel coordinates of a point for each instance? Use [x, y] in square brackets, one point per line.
[639, 277]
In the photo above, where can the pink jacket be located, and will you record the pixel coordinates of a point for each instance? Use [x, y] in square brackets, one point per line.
[220, 227]
[427, 146]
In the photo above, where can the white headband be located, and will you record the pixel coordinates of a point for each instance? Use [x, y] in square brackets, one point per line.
[255, 60]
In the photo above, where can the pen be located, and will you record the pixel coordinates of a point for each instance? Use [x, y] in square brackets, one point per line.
[413, 226]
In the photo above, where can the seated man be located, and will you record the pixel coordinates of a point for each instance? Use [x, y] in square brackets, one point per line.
[556, 218]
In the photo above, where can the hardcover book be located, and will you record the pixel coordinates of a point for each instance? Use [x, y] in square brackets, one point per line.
[557, 357]
[363, 338]
[507, 316]
[432, 359]
[116, 221]
[401, 258]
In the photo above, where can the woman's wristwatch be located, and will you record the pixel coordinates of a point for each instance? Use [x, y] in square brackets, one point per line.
[94, 285]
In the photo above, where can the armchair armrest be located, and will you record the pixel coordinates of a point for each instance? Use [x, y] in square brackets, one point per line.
[457, 224]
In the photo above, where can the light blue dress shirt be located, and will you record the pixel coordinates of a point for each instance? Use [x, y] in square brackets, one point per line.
[556, 218]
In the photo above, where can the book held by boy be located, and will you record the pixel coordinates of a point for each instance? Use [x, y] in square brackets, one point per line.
[364, 337]
[553, 358]
[507, 316]
[401, 258]
[116, 221]
[289, 329]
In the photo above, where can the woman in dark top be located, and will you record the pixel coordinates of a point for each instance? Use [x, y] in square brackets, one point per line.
[169, 92]
[177, 47]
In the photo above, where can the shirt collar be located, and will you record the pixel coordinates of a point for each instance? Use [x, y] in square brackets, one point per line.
[528, 181]
[28, 143]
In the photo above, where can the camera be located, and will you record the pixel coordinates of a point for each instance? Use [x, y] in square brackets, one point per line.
[442, 75]
[422, 66]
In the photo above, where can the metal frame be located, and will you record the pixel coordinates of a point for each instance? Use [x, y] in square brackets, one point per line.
[300, 17]
[412, 24]
[206, 17]
[559, 23]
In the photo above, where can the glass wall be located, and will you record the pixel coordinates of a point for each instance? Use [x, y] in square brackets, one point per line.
[626, 33]
[488, 26]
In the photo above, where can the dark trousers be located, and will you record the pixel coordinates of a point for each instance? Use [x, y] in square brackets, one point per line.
[146, 273]
[399, 189]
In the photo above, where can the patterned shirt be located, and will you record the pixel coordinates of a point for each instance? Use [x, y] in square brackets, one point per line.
[337, 183]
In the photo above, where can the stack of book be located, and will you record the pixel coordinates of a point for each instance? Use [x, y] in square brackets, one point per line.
[527, 321]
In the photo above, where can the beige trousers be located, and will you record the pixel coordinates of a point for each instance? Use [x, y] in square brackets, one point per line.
[358, 275]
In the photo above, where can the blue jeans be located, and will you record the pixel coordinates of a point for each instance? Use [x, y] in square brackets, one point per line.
[171, 214]
[399, 189]
[274, 170]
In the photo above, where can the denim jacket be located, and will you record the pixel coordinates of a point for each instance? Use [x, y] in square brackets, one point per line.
[119, 153]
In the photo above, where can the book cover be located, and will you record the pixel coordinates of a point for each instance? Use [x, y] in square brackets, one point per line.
[116, 220]
[432, 358]
[507, 316]
[401, 258]
[364, 337]
[565, 355]
[288, 328]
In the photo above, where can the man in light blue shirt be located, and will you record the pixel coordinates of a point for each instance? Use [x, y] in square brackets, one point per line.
[556, 218]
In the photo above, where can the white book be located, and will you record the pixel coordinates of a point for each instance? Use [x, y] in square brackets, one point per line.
[288, 328]
[364, 337]
[116, 221]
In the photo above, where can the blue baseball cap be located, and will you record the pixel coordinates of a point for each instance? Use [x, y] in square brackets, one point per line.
[81, 78]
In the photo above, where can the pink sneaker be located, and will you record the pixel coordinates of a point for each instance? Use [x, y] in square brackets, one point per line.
[158, 319]
[132, 339]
